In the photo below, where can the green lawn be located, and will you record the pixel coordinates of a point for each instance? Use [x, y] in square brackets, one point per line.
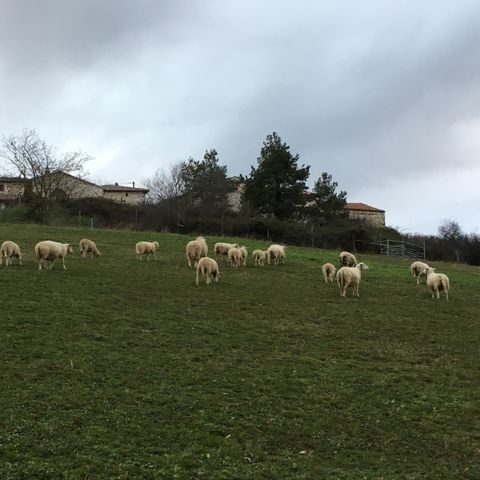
[120, 369]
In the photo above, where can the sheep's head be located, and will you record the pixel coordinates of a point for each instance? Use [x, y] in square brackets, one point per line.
[362, 266]
[69, 248]
[156, 244]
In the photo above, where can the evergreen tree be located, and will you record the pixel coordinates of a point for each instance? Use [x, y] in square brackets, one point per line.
[277, 186]
[206, 181]
[327, 203]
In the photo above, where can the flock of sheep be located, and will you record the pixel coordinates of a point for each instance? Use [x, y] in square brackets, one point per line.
[348, 275]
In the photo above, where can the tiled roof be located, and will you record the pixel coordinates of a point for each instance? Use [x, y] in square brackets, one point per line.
[119, 188]
[362, 207]
[14, 179]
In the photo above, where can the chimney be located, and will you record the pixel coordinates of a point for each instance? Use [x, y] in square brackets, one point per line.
[116, 184]
[133, 183]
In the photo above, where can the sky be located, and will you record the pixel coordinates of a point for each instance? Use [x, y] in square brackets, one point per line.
[383, 95]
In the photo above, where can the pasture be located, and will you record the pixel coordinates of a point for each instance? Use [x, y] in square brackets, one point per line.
[119, 368]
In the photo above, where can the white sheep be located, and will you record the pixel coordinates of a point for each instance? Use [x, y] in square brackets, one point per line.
[436, 282]
[222, 248]
[259, 257]
[276, 253]
[195, 250]
[9, 250]
[88, 246]
[347, 259]
[417, 269]
[350, 277]
[49, 250]
[235, 257]
[328, 270]
[146, 248]
[244, 255]
[207, 267]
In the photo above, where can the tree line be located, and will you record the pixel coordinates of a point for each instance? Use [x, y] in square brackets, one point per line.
[275, 188]
[271, 202]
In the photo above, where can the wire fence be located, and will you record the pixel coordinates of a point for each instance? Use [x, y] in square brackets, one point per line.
[400, 248]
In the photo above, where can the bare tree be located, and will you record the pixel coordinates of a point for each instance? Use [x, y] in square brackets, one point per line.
[165, 185]
[28, 156]
[451, 232]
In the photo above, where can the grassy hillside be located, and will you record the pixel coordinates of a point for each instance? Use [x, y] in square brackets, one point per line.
[118, 368]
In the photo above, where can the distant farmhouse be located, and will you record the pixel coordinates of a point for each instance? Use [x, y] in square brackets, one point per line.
[356, 211]
[12, 190]
[362, 211]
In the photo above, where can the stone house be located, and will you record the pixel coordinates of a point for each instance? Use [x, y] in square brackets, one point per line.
[12, 190]
[63, 185]
[131, 195]
[362, 211]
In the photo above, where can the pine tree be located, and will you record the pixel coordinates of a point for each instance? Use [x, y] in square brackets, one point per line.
[277, 186]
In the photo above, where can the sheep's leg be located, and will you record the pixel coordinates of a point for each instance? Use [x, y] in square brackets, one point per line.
[154, 256]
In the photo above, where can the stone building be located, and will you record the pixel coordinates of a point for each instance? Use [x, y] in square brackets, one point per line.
[63, 185]
[131, 195]
[12, 190]
[362, 211]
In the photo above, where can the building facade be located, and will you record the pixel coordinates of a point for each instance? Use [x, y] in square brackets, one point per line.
[362, 211]
[63, 185]
[12, 190]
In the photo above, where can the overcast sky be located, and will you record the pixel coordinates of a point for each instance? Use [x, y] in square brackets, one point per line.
[383, 95]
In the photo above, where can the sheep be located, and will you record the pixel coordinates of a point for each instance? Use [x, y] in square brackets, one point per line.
[244, 255]
[146, 248]
[350, 277]
[88, 246]
[235, 257]
[207, 267]
[8, 250]
[328, 270]
[48, 250]
[347, 259]
[417, 269]
[276, 252]
[436, 282]
[259, 257]
[196, 249]
[221, 248]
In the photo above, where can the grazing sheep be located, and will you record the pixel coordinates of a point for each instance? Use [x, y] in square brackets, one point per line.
[436, 282]
[88, 246]
[50, 251]
[146, 248]
[207, 267]
[277, 253]
[9, 250]
[196, 249]
[328, 270]
[350, 277]
[244, 254]
[347, 259]
[235, 257]
[417, 269]
[259, 257]
[221, 248]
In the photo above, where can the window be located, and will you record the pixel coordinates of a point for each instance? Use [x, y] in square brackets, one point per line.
[126, 194]
[2, 187]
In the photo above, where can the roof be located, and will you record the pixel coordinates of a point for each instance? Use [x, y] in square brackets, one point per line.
[362, 207]
[119, 188]
[14, 179]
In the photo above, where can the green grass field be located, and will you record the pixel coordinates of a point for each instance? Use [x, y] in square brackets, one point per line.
[119, 369]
